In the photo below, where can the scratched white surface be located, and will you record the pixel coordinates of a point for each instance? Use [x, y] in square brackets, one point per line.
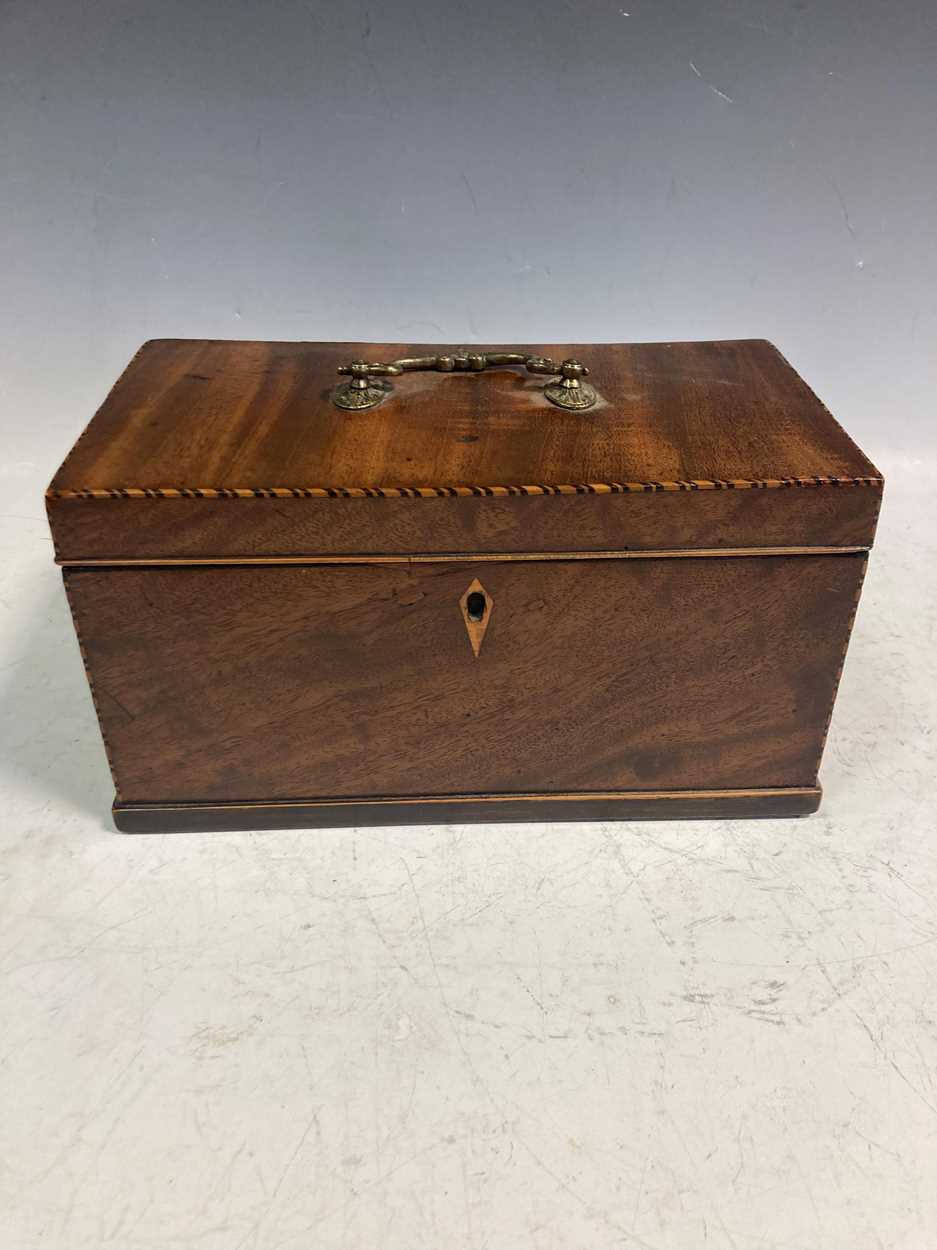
[649, 1035]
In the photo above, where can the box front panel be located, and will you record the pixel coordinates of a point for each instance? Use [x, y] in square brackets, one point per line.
[260, 683]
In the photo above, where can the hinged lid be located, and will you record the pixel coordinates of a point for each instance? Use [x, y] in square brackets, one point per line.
[238, 450]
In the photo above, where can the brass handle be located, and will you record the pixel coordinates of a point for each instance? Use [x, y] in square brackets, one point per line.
[568, 391]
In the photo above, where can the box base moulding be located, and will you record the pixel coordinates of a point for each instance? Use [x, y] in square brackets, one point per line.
[467, 808]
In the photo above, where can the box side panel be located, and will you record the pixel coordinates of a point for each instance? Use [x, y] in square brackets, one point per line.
[254, 528]
[262, 683]
[82, 619]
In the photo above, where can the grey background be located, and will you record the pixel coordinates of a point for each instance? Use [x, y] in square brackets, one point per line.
[556, 171]
[717, 1034]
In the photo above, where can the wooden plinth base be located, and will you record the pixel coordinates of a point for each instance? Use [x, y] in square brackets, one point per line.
[459, 809]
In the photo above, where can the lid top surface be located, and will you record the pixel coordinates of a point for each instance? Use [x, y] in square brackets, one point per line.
[218, 414]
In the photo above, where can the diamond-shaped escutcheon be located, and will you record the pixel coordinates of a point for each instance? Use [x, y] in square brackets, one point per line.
[476, 605]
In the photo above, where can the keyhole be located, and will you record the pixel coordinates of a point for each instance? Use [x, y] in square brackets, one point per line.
[475, 606]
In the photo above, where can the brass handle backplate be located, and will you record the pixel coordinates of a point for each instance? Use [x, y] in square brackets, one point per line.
[364, 391]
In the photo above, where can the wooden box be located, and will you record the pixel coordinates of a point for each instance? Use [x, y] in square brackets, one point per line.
[476, 591]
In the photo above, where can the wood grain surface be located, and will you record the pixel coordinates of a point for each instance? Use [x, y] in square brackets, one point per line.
[130, 529]
[235, 448]
[202, 413]
[671, 805]
[262, 683]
